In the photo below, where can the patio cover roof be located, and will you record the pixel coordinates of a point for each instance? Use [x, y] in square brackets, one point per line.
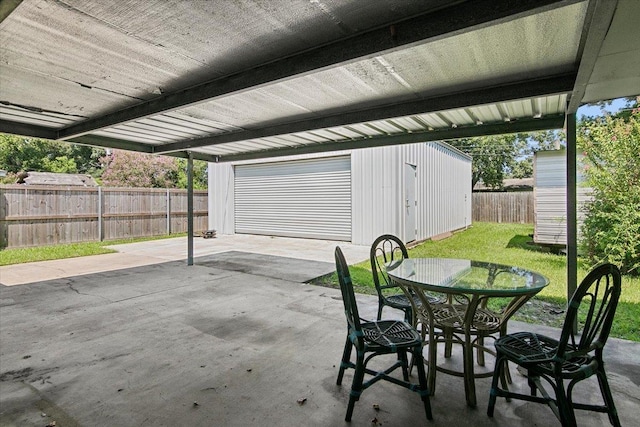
[228, 81]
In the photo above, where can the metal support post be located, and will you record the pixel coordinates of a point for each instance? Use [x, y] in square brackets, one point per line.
[190, 209]
[572, 207]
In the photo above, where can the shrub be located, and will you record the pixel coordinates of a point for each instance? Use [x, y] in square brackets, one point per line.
[611, 228]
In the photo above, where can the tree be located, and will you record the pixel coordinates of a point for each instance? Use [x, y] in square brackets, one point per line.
[492, 156]
[611, 228]
[527, 145]
[200, 174]
[19, 154]
[133, 169]
[506, 156]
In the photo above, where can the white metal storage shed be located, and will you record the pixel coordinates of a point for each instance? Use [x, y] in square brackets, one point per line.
[414, 191]
[550, 197]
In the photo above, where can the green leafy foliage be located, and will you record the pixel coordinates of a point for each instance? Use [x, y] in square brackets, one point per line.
[527, 144]
[19, 154]
[611, 228]
[200, 174]
[491, 157]
[133, 169]
[61, 164]
[498, 157]
[118, 168]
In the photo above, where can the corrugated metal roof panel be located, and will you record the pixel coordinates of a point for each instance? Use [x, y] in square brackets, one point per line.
[386, 77]
[486, 114]
[40, 118]
[123, 133]
[82, 59]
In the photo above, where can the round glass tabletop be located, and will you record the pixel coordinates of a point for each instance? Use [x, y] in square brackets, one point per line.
[451, 275]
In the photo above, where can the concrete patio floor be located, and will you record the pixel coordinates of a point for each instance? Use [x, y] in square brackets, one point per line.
[235, 340]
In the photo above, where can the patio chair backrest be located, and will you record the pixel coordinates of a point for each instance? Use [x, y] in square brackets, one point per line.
[384, 250]
[348, 299]
[593, 307]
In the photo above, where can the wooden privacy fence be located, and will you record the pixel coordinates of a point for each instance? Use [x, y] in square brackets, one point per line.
[515, 207]
[46, 215]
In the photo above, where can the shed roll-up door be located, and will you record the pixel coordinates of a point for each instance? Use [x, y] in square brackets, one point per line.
[302, 198]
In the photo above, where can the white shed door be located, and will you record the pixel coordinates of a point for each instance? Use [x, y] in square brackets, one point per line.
[302, 198]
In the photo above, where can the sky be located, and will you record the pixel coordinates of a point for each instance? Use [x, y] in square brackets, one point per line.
[595, 110]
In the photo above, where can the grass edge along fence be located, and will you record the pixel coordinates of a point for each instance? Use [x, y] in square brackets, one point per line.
[36, 215]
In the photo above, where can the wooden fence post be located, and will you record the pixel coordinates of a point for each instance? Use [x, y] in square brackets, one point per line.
[100, 225]
[168, 212]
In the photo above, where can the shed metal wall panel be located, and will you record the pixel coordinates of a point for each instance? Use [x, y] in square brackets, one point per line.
[377, 193]
[551, 214]
[550, 197]
[304, 198]
[221, 198]
[443, 190]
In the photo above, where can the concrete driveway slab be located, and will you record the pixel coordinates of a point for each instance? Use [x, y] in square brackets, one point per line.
[175, 249]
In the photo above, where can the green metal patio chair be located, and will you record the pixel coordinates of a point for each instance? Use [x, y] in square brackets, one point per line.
[573, 358]
[375, 338]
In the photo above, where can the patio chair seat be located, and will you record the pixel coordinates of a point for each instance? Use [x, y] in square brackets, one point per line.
[451, 316]
[384, 334]
[537, 352]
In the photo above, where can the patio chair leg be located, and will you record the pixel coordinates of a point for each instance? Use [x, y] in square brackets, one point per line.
[356, 386]
[608, 398]
[505, 377]
[346, 357]
[532, 384]
[402, 357]
[507, 373]
[433, 354]
[493, 393]
[424, 389]
[565, 409]
[408, 316]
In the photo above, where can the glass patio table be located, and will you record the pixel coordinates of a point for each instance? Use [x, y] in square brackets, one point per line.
[461, 316]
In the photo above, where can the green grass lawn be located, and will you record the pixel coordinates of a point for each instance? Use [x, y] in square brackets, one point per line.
[71, 250]
[511, 244]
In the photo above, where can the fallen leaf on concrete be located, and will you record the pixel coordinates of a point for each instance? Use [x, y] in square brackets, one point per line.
[196, 404]
[51, 424]
[249, 370]
[375, 422]
[302, 400]
[376, 406]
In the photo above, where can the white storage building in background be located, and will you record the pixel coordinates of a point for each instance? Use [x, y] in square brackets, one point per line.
[414, 191]
[550, 197]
